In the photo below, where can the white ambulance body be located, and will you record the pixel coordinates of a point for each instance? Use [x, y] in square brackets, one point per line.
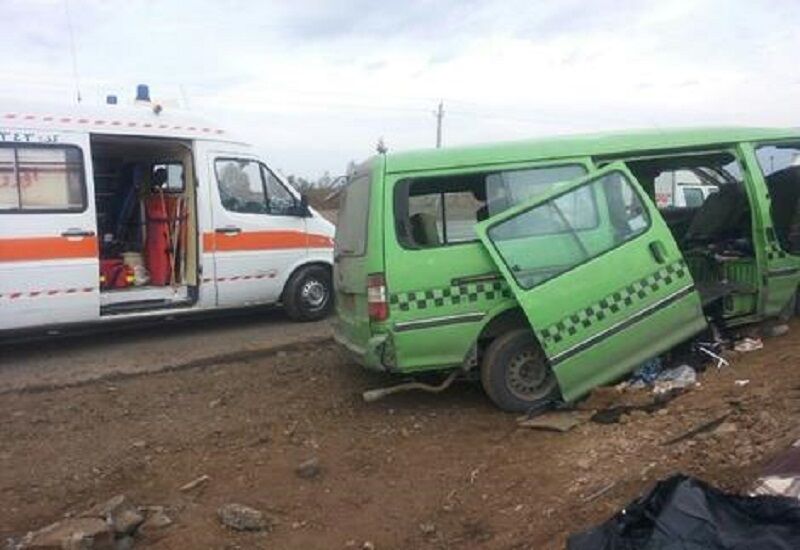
[79, 241]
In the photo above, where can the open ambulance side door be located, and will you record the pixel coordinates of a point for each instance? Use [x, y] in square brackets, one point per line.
[598, 275]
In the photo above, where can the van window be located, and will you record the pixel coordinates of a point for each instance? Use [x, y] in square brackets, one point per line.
[351, 225]
[552, 229]
[249, 187]
[45, 179]
[780, 165]
[173, 172]
[443, 210]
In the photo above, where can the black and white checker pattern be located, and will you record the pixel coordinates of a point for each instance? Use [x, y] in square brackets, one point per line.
[453, 295]
[617, 301]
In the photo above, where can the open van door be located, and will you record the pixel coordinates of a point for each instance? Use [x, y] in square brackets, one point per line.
[48, 243]
[598, 275]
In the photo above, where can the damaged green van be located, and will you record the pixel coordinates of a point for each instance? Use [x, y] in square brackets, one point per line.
[551, 266]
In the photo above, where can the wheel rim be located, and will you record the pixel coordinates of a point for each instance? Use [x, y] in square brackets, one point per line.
[526, 375]
[314, 294]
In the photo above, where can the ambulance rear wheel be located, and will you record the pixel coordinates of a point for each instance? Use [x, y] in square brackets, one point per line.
[515, 374]
[308, 295]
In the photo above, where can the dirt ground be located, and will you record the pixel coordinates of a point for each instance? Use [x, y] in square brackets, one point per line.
[412, 471]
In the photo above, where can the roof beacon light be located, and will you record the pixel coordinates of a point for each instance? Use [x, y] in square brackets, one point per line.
[143, 93]
[111, 99]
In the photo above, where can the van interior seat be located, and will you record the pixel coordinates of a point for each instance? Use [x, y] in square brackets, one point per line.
[784, 190]
[423, 229]
[720, 217]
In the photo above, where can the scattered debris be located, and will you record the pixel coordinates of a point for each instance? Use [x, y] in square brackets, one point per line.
[781, 476]
[679, 377]
[741, 383]
[556, 421]
[202, 480]
[156, 523]
[774, 331]
[72, 533]
[683, 512]
[427, 528]
[374, 395]
[614, 414]
[746, 345]
[119, 513]
[704, 427]
[309, 469]
[242, 518]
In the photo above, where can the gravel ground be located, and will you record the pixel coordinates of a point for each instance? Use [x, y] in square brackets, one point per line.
[411, 471]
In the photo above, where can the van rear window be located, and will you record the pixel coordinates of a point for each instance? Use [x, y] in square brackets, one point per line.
[351, 225]
[443, 210]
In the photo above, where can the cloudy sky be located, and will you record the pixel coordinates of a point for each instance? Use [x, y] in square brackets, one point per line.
[315, 83]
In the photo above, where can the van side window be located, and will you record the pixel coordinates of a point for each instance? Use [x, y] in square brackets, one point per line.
[43, 179]
[780, 165]
[280, 201]
[249, 187]
[621, 217]
[443, 210]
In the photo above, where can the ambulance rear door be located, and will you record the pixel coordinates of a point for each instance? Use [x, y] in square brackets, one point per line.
[48, 243]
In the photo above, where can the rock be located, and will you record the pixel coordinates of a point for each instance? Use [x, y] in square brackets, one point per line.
[156, 523]
[309, 469]
[72, 534]
[726, 428]
[427, 528]
[124, 543]
[119, 513]
[583, 463]
[139, 444]
[242, 518]
[202, 480]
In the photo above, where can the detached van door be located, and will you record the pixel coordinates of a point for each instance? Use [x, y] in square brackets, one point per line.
[258, 234]
[48, 244]
[599, 276]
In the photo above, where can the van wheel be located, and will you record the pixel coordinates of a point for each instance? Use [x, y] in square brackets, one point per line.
[308, 295]
[515, 373]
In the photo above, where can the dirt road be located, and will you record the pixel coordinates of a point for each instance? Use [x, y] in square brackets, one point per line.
[413, 471]
[148, 347]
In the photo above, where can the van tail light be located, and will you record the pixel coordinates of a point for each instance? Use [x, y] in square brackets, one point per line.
[377, 304]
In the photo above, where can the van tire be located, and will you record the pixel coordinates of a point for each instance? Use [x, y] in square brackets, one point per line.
[515, 374]
[308, 296]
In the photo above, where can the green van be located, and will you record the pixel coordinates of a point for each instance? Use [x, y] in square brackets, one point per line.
[546, 266]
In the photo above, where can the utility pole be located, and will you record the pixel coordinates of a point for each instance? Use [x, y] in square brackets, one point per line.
[439, 116]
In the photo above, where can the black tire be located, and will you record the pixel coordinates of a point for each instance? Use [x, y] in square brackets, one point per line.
[515, 374]
[308, 295]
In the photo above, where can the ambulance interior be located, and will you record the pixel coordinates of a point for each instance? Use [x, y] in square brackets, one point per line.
[715, 233]
[146, 223]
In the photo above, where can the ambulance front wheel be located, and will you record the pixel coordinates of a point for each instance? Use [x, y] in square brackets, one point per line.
[515, 374]
[308, 295]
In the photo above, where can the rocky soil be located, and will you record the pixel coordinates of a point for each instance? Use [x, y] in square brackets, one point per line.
[280, 451]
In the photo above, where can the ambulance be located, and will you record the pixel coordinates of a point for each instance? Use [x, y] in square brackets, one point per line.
[114, 212]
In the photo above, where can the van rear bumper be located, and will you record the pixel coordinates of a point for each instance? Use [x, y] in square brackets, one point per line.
[369, 356]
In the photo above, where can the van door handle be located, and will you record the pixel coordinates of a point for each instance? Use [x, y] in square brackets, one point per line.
[228, 230]
[658, 251]
[76, 232]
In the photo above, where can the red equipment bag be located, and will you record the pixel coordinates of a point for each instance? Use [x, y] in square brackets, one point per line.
[115, 274]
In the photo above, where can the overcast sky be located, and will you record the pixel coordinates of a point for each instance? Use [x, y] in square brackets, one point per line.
[316, 83]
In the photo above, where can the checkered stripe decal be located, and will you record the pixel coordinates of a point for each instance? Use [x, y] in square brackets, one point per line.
[615, 302]
[775, 252]
[449, 296]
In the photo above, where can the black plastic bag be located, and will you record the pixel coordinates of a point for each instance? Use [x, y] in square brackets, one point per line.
[683, 513]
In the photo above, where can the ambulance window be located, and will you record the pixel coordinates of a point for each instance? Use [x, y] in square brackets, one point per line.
[175, 182]
[280, 201]
[241, 188]
[43, 179]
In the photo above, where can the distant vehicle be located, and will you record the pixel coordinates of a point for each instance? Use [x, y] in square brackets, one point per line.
[546, 265]
[118, 213]
[693, 196]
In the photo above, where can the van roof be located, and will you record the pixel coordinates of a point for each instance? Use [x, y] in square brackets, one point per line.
[129, 120]
[605, 144]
